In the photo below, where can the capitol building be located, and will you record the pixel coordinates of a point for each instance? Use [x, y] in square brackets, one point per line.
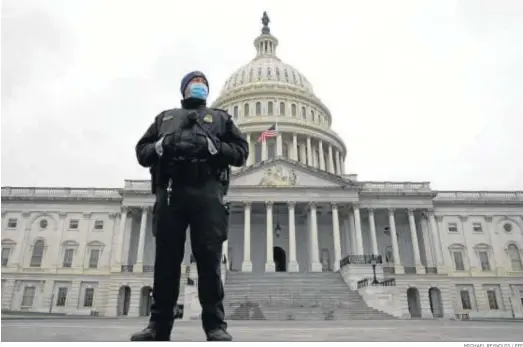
[295, 211]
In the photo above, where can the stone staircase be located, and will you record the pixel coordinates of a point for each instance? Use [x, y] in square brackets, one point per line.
[294, 296]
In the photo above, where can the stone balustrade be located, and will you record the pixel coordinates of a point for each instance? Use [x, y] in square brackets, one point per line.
[504, 196]
[59, 193]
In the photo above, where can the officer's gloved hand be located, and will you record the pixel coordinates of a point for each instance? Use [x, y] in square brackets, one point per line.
[170, 144]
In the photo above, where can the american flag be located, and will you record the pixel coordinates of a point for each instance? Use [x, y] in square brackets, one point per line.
[267, 134]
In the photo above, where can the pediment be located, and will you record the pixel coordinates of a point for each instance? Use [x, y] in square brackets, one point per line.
[281, 173]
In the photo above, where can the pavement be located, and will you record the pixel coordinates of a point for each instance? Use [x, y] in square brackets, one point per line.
[119, 329]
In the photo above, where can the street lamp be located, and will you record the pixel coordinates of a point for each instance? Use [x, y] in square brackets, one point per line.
[373, 262]
[277, 231]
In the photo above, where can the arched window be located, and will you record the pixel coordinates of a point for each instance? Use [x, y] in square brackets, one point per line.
[235, 113]
[515, 257]
[282, 109]
[269, 108]
[293, 110]
[258, 108]
[38, 254]
[303, 113]
[246, 110]
[312, 116]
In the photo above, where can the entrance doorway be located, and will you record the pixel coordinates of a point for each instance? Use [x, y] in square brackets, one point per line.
[414, 302]
[280, 260]
[436, 305]
[124, 299]
[146, 299]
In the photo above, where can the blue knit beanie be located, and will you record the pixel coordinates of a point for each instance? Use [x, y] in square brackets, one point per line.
[190, 76]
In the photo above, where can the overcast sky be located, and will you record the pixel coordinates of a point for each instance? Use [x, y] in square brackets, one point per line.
[419, 90]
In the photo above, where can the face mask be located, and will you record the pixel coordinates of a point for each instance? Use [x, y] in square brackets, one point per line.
[198, 91]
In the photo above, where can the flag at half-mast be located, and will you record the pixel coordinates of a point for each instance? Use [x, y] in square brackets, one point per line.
[268, 133]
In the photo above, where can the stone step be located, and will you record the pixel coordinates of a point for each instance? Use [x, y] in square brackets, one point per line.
[294, 296]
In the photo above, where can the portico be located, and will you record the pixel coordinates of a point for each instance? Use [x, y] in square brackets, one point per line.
[314, 219]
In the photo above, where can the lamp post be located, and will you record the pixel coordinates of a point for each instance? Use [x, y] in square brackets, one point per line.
[373, 263]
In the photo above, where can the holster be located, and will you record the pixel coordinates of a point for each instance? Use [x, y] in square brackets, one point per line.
[190, 172]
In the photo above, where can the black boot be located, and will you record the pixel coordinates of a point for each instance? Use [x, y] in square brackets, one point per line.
[218, 335]
[153, 332]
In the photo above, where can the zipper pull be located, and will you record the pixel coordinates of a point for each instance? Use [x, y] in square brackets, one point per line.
[169, 191]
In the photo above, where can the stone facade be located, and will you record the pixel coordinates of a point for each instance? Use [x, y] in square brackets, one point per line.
[293, 208]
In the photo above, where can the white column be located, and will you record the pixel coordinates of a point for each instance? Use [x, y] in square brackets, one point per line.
[309, 151]
[373, 239]
[330, 161]
[252, 154]
[60, 250]
[269, 262]
[303, 155]
[293, 263]
[352, 232]
[321, 155]
[314, 163]
[336, 236]
[141, 241]
[279, 146]
[342, 163]
[121, 239]
[398, 268]
[315, 256]
[438, 254]
[264, 150]
[295, 147]
[338, 163]
[247, 263]
[22, 243]
[359, 236]
[415, 243]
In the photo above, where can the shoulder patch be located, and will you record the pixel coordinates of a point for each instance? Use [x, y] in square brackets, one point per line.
[222, 113]
[170, 114]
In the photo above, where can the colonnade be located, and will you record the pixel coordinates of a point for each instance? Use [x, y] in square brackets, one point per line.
[307, 150]
[357, 248]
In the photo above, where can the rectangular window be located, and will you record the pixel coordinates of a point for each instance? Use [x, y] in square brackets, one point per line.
[453, 228]
[492, 300]
[98, 225]
[465, 300]
[68, 258]
[61, 298]
[73, 224]
[282, 109]
[483, 258]
[28, 296]
[11, 223]
[458, 261]
[94, 255]
[88, 297]
[5, 255]
[477, 228]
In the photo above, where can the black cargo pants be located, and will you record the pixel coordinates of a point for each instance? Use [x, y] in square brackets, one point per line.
[202, 208]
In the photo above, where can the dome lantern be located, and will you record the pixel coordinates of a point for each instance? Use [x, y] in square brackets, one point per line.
[265, 43]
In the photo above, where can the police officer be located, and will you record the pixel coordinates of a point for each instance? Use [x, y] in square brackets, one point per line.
[190, 151]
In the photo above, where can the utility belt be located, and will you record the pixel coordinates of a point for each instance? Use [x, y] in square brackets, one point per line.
[189, 172]
[192, 172]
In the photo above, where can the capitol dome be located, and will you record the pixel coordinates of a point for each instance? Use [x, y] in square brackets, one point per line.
[267, 93]
[266, 67]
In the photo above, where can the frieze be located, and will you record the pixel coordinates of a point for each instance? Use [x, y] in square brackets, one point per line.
[278, 176]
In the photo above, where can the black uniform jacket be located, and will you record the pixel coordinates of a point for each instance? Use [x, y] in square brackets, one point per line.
[233, 149]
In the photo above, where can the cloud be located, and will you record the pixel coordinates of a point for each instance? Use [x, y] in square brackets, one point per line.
[418, 90]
